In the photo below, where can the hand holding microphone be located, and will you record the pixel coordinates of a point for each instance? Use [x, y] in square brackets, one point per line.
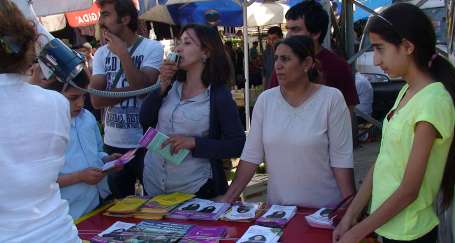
[168, 70]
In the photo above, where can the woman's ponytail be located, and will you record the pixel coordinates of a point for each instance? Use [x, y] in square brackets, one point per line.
[443, 71]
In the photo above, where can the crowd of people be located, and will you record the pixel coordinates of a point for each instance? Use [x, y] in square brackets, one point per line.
[52, 149]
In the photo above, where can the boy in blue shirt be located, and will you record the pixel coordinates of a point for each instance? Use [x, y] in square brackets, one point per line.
[82, 181]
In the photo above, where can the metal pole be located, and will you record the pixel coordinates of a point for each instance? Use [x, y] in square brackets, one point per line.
[362, 6]
[246, 53]
[352, 59]
[419, 4]
[348, 27]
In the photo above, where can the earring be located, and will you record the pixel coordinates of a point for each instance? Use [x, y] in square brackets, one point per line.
[204, 59]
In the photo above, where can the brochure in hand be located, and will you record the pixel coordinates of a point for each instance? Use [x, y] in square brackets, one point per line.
[157, 138]
[199, 209]
[277, 216]
[128, 156]
[204, 234]
[124, 159]
[260, 234]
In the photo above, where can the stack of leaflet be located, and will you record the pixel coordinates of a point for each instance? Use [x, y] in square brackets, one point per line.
[260, 234]
[199, 209]
[159, 206]
[321, 219]
[243, 212]
[277, 216]
[204, 234]
[145, 231]
[125, 207]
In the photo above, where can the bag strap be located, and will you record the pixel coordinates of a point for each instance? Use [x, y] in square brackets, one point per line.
[120, 72]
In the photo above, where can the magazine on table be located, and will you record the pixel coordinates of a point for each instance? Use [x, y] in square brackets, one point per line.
[243, 211]
[200, 209]
[148, 231]
[260, 234]
[277, 216]
[204, 234]
[165, 203]
[127, 205]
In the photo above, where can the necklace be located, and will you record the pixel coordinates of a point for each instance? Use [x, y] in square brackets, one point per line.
[306, 94]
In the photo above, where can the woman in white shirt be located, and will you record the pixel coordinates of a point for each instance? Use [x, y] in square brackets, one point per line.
[33, 137]
[302, 130]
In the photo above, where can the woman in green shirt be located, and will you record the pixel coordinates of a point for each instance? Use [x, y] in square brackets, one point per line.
[416, 158]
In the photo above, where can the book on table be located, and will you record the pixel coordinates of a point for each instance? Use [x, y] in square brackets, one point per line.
[243, 211]
[146, 231]
[159, 206]
[164, 203]
[204, 234]
[261, 234]
[199, 209]
[277, 216]
[127, 205]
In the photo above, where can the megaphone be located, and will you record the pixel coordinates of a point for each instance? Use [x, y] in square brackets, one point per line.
[66, 64]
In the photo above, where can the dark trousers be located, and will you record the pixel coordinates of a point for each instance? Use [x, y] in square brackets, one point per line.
[207, 191]
[122, 183]
[430, 237]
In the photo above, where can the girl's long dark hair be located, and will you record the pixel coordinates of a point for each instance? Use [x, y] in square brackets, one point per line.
[217, 70]
[403, 20]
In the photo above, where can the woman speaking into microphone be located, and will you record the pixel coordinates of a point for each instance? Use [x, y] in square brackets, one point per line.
[198, 113]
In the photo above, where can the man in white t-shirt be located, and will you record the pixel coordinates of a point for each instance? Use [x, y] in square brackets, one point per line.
[122, 130]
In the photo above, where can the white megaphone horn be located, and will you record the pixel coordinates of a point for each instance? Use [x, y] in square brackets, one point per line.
[66, 64]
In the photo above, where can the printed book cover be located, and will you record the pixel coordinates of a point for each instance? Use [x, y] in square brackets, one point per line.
[165, 203]
[127, 205]
[199, 209]
[155, 146]
[204, 234]
[243, 211]
[277, 216]
[260, 234]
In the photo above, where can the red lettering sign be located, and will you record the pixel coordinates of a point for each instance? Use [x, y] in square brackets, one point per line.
[84, 18]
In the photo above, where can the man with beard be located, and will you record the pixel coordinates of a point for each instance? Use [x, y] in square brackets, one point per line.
[127, 62]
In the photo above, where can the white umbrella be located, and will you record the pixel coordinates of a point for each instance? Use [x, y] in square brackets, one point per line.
[268, 13]
[53, 22]
[51, 7]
